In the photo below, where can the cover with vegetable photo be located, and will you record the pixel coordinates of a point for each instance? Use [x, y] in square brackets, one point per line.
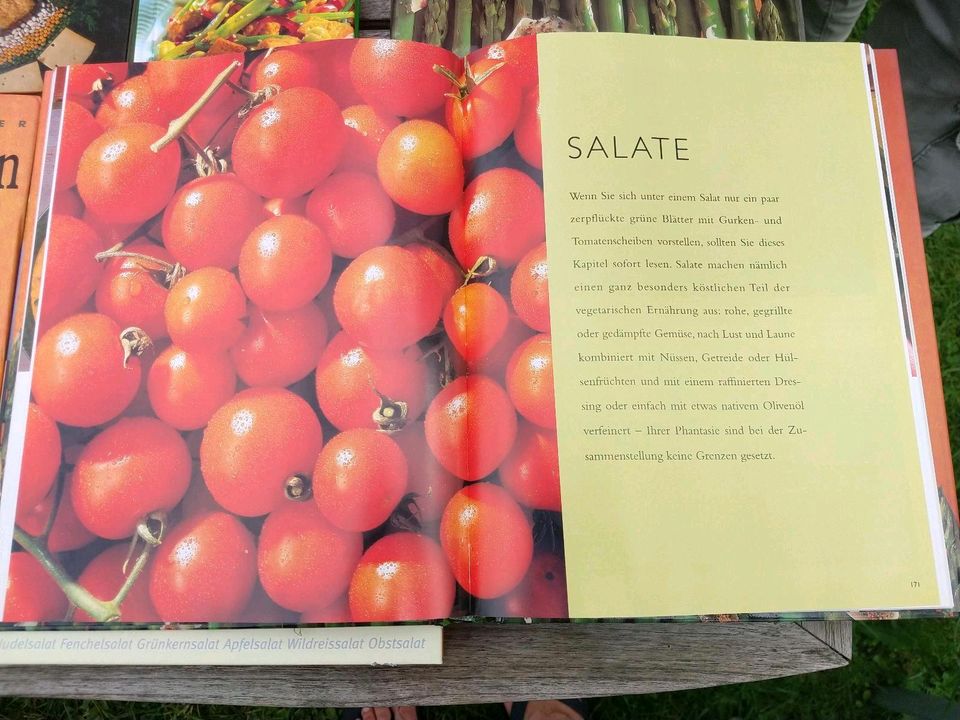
[359, 331]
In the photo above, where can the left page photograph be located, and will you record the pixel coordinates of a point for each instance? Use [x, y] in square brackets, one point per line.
[213, 333]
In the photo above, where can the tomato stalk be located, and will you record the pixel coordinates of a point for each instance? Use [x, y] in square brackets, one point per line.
[391, 415]
[297, 488]
[470, 81]
[178, 125]
[78, 595]
[54, 509]
[484, 267]
[135, 342]
[171, 272]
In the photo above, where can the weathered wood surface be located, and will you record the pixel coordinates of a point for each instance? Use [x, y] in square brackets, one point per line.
[483, 663]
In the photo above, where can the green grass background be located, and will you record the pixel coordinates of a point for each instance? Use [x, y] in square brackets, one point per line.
[921, 657]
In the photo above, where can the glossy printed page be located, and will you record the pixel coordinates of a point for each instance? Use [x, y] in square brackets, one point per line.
[272, 341]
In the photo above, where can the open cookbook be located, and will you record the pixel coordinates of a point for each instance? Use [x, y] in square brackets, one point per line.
[360, 331]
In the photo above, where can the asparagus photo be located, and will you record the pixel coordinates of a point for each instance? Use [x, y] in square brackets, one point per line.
[436, 21]
[663, 16]
[711, 19]
[688, 24]
[611, 16]
[638, 17]
[742, 22]
[769, 23]
[462, 26]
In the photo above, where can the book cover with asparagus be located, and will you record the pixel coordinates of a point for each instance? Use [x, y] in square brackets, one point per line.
[463, 25]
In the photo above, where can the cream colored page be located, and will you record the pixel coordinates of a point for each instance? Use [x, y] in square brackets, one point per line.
[735, 426]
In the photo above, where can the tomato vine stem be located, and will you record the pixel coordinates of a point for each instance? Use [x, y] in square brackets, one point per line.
[178, 125]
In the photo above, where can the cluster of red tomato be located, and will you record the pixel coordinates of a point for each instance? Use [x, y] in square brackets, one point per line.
[315, 289]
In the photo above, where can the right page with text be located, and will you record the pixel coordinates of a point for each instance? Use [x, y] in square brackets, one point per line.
[737, 428]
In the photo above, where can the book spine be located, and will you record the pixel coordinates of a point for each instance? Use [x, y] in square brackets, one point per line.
[19, 115]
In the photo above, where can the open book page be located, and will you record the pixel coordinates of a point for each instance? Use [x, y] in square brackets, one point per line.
[731, 364]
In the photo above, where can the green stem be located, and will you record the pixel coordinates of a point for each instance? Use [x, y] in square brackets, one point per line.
[494, 21]
[401, 28]
[76, 593]
[742, 22]
[711, 21]
[611, 16]
[243, 17]
[462, 28]
[638, 17]
[54, 509]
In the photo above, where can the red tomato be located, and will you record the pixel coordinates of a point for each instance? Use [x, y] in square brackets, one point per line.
[331, 70]
[208, 219]
[484, 109]
[285, 263]
[67, 533]
[530, 291]
[501, 216]
[475, 320]
[86, 81]
[110, 233]
[527, 134]
[80, 129]
[386, 298]
[350, 376]
[354, 212]
[67, 202]
[530, 381]
[261, 610]
[205, 310]
[287, 69]
[103, 577]
[197, 500]
[79, 376]
[541, 594]
[280, 348]
[71, 273]
[216, 124]
[122, 180]
[420, 167]
[254, 444]
[531, 472]
[133, 291]
[402, 577]
[178, 90]
[32, 595]
[367, 130]
[431, 484]
[187, 387]
[304, 561]
[335, 613]
[132, 101]
[40, 463]
[285, 206]
[520, 55]
[205, 571]
[135, 467]
[359, 479]
[471, 426]
[289, 143]
[494, 364]
[446, 273]
[398, 78]
[487, 539]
